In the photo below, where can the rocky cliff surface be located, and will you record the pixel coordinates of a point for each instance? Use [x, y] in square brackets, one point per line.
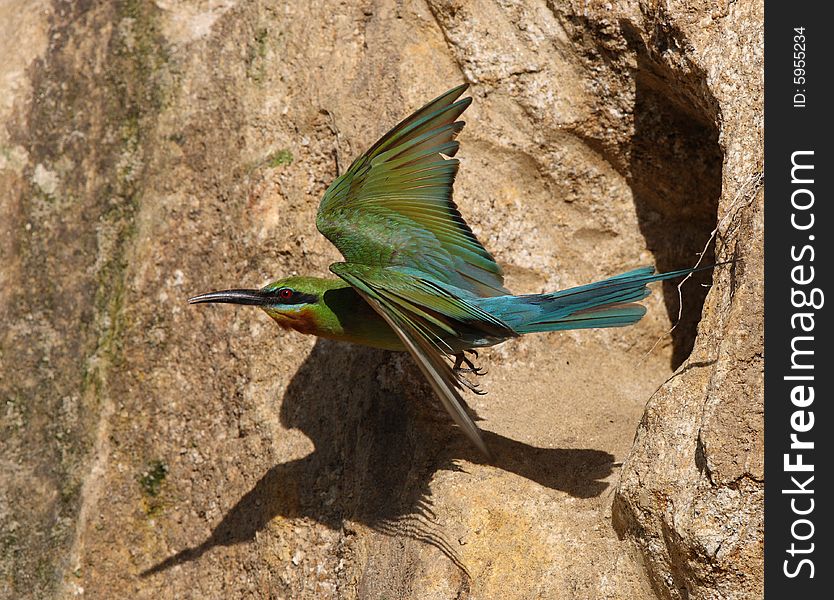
[153, 150]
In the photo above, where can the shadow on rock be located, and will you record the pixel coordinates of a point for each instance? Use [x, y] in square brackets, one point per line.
[378, 442]
[675, 174]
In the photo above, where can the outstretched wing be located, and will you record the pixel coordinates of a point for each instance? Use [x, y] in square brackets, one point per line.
[394, 206]
[424, 315]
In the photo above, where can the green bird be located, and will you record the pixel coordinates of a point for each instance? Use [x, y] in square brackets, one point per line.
[415, 278]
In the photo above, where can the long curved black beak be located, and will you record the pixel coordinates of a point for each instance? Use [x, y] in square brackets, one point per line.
[251, 297]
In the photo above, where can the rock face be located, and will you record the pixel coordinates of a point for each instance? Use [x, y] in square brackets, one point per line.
[691, 494]
[153, 150]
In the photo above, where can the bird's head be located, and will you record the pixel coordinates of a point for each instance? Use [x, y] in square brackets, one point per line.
[291, 302]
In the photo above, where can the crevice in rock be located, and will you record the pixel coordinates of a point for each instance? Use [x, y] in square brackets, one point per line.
[675, 173]
[701, 458]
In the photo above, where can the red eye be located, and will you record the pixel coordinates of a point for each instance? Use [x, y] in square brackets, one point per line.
[285, 293]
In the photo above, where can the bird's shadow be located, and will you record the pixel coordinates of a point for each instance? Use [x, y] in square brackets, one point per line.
[378, 442]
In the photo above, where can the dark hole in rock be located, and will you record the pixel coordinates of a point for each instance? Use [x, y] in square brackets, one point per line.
[675, 175]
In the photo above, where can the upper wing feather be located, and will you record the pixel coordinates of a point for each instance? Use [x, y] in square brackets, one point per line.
[393, 206]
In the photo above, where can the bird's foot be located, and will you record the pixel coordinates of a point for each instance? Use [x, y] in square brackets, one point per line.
[460, 359]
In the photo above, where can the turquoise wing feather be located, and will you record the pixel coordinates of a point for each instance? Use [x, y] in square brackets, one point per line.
[394, 207]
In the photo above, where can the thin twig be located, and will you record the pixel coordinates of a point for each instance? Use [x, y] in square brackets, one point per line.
[754, 181]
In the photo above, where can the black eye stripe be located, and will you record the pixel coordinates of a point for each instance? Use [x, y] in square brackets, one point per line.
[296, 298]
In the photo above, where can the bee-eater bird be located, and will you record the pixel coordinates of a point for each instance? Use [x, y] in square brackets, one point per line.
[415, 277]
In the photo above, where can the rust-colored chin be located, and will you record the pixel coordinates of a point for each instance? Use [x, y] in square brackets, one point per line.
[302, 321]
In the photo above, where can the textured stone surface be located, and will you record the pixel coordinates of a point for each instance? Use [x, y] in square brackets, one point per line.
[152, 150]
[692, 490]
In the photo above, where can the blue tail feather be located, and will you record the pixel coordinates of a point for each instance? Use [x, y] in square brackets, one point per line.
[606, 303]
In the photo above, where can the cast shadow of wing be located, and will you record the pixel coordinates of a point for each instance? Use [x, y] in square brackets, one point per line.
[376, 450]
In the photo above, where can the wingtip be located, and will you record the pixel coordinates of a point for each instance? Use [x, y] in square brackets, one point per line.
[457, 92]
[465, 101]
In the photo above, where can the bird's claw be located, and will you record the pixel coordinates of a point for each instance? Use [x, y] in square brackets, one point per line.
[472, 387]
[475, 371]
[461, 359]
